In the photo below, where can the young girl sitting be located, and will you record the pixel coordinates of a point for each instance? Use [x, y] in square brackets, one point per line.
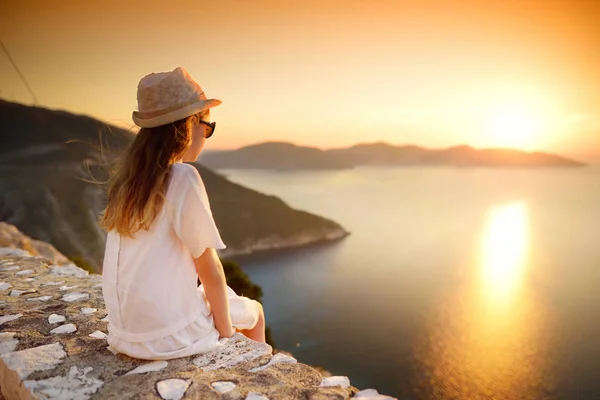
[161, 234]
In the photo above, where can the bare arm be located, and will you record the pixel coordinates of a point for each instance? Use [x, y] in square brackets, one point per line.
[210, 272]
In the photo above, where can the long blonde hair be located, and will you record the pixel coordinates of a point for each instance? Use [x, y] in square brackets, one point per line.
[138, 185]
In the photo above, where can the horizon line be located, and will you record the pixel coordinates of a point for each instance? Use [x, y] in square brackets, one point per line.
[381, 142]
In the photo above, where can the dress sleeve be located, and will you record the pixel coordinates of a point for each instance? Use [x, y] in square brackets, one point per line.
[193, 220]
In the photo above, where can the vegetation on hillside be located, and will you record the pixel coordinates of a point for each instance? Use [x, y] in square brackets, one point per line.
[49, 161]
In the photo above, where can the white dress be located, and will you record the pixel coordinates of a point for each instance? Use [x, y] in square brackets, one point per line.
[149, 282]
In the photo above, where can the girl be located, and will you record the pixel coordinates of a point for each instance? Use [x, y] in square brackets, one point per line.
[161, 233]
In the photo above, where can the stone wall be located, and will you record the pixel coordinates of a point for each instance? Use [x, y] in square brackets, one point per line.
[53, 326]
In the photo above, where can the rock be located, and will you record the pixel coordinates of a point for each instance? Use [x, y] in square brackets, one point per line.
[39, 361]
[41, 298]
[342, 381]
[98, 335]
[21, 244]
[54, 318]
[8, 343]
[5, 285]
[25, 272]
[8, 251]
[235, 351]
[88, 310]
[65, 288]
[20, 292]
[223, 386]
[75, 297]
[172, 389]
[256, 396]
[149, 367]
[371, 394]
[53, 283]
[68, 270]
[8, 318]
[75, 386]
[277, 358]
[39, 358]
[67, 328]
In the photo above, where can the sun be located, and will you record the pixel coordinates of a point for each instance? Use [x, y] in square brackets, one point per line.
[513, 127]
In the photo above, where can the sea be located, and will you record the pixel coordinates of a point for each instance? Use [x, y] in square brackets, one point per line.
[455, 283]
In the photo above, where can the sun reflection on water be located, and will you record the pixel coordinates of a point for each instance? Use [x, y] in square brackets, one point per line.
[486, 338]
[503, 254]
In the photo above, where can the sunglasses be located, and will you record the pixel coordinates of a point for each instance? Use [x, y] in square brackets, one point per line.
[211, 125]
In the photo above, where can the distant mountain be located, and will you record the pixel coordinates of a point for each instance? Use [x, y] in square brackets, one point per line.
[47, 159]
[379, 154]
[465, 156]
[288, 156]
[274, 155]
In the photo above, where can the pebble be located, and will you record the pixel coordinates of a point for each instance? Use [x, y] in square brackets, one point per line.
[256, 396]
[98, 335]
[342, 381]
[41, 298]
[149, 367]
[172, 389]
[371, 394]
[25, 272]
[5, 285]
[8, 318]
[68, 328]
[53, 283]
[16, 292]
[223, 386]
[276, 359]
[87, 310]
[68, 270]
[75, 297]
[54, 318]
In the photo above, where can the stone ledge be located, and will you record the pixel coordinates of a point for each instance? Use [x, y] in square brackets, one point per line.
[53, 345]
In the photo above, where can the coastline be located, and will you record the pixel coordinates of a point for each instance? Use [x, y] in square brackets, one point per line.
[267, 248]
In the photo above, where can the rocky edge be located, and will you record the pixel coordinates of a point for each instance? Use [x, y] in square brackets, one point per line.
[53, 327]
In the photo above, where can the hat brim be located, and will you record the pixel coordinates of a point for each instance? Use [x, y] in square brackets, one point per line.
[174, 115]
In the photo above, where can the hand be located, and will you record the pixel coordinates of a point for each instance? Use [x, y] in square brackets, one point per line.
[226, 332]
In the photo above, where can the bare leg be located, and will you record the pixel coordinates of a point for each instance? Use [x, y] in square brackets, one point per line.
[258, 332]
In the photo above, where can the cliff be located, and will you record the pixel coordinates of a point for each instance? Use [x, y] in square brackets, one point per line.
[48, 160]
[53, 345]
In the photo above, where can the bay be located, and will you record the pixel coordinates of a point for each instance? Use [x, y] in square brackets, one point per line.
[454, 284]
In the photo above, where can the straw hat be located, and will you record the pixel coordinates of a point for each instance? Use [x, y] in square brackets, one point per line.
[166, 97]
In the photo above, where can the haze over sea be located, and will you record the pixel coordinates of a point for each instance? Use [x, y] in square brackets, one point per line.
[455, 283]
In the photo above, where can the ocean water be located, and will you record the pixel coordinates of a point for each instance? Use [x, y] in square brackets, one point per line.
[454, 284]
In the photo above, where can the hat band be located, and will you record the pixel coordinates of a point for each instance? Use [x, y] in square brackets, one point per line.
[158, 113]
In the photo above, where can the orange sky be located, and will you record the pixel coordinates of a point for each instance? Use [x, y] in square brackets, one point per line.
[327, 73]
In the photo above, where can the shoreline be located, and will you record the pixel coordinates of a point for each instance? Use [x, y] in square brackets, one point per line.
[269, 253]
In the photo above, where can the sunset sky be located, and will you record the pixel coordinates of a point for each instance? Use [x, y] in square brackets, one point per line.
[327, 73]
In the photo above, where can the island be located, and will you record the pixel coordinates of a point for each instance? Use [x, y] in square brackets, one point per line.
[286, 156]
